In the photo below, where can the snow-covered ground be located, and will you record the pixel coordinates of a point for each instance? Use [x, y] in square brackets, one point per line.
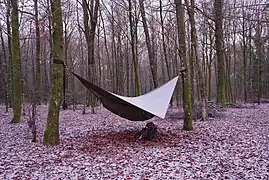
[103, 146]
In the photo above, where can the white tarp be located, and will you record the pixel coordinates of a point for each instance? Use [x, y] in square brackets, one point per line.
[155, 101]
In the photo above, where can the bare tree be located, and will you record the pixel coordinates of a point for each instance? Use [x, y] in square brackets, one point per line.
[90, 14]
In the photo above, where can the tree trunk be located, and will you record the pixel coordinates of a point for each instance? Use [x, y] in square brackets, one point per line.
[250, 59]
[86, 19]
[209, 65]
[191, 64]
[235, 59]
[152, 61]
[51, 135]
[16, 64]
[89, 32]
[127, 69]
[10, 66]
[50, 65]
[107, 53]
[46, 79]
[227, 77]
[38, 51]
[219, 49]
[202, 88]
[134, 52]
[4, 69]
[244, 57]
[259, 47]
[65, 78]
[182, 53]
[163, 42]
[113, 55]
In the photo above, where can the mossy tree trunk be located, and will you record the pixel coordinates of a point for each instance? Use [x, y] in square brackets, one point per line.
[192, 75]
[51, 135]
[16, 64]
[218, 5]
[182, 53]
[202, 86]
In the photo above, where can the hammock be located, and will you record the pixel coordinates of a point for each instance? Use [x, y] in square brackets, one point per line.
[140, 108]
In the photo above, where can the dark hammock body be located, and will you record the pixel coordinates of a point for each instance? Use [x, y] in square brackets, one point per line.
[115, 104]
